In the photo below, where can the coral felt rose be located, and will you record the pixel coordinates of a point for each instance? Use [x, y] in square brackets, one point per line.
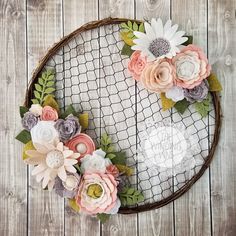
[191, 67]
[49, 113]
[158, 76]
[136, 64]
[44, 132]
[112, 169]
[97, 193]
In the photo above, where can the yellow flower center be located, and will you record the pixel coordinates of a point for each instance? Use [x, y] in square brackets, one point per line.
[94, 191]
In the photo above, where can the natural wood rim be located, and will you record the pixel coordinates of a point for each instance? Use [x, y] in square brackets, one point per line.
[216, 102]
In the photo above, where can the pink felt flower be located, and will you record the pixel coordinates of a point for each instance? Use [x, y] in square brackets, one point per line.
[112, 169]
[82, 144]
[158, 76]
[192, 67]
[136, 64]
[49, 113]
[97, 193]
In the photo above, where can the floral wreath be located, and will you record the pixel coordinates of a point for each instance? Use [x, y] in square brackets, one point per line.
[66, 159]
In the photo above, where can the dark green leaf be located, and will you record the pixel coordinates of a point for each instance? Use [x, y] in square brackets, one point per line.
[120, 158]
[24, 136]
[23, 110]
[69, 110]
[126, 50]
[181, 106]
[189, 41]
[103, 217]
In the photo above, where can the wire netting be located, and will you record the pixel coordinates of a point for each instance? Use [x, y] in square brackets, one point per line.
[92, 75]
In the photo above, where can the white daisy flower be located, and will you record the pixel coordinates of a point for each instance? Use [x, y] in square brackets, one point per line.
[160, 40]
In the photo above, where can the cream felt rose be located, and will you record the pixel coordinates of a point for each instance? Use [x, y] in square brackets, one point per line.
[158, 76]
[44, 132]
[136, 64]
[175, 94]
[49, 113]
[192, 67]
[36, 109]
[97, 193]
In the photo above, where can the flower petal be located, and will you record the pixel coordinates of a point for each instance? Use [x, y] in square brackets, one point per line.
[38, 169]
[62, 173]
[71, 169]
[34, 160]
[67, 153]
[70, 162]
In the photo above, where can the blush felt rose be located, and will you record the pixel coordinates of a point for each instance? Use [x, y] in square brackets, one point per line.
[112, 169]
[158, 76]
[192, 67]
[136, 64]
[49, 113]
[97, 193]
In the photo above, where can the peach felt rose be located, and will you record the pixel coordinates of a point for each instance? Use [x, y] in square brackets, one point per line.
[49, 113]
[112, 169]
[158, 76]
[191, 67]
[97, 193]
[136, 64]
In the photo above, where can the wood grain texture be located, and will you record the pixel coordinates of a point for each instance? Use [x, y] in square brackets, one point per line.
[160, 221]
[193, 208]
[44, 28]
[13, 172]
[222, 55]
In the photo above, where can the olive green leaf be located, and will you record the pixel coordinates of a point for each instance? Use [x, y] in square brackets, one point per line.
[203, 107]
[50, 101]
[103, 217]
[126, 50]
[23, 110]
[24, 136]
[181, 106]
[119, 158]
[214, 83]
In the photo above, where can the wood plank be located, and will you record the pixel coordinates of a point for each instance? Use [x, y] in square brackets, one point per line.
[160, 221]
[193, 208]
[76, 14]
[222, 53]
[113, 99]
[13, 172]
[44, 28]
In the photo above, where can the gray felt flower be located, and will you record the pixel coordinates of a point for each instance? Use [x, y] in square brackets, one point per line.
[68, 188]
[198, 93]
[29, 120]
[67, 128]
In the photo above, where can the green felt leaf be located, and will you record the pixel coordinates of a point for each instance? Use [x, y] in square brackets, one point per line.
[38, 87]
[141, 28]
[189, 41]
[49, 90]
[24, 136]
[35, 101]
[214, 83]
[69, 110]
[130, 196]
[120, 158]
[110, 155]
[41, 81]
[37, 94]
[166, 102]
[50, 101]
[130, 24]
[181, 106]
[103, 217]
[135, 26]
[50, 83]
[203, 107]
[123, 25]
[23, 110]
[126, 50]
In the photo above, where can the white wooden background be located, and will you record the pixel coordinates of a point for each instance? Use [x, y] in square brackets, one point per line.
[27, 29]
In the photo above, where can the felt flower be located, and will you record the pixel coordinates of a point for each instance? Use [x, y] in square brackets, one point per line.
[69, 187]
[29, 120]
[112, 169]
[82, 144]
[158, 76]
[192, 67]
[97, 193]
[49, 113]
[136, 64]
[116, 208]
[44, 132]
[51, 161]
[198, 93]
[159, 41]
[67, 128]
[96, 162]
[36, 109]
[175, 94]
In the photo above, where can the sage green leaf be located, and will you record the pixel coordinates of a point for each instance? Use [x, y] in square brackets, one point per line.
[37, 94]
[181, 106]
[189, 41]
[44, 75]
[130, 196]
[23, 110]
[24, 136]
[123, 25]
[49, 90]
[51, 77]
[126, 50]
[38, 87]
[130, 24]
[141, 28]
[50, 83]
[103, 217]
[203, 107]
[35, 101]
[110, 155]
[130, 35]
[135, 26]
[41, 81]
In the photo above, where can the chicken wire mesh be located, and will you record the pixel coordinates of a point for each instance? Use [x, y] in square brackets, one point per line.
[166, 149]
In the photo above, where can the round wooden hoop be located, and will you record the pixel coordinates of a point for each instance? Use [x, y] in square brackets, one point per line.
[216, 102]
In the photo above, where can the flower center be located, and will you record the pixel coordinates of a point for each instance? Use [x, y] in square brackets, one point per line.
[159, 47]
[70, 183]
[81, 148]
[55, 159]
[94, 191]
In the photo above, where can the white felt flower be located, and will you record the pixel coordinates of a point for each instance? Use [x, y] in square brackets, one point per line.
[95, 162]
[44, 132]
[175, 93]
[51, 161]
[36, 109]
[160, 40]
